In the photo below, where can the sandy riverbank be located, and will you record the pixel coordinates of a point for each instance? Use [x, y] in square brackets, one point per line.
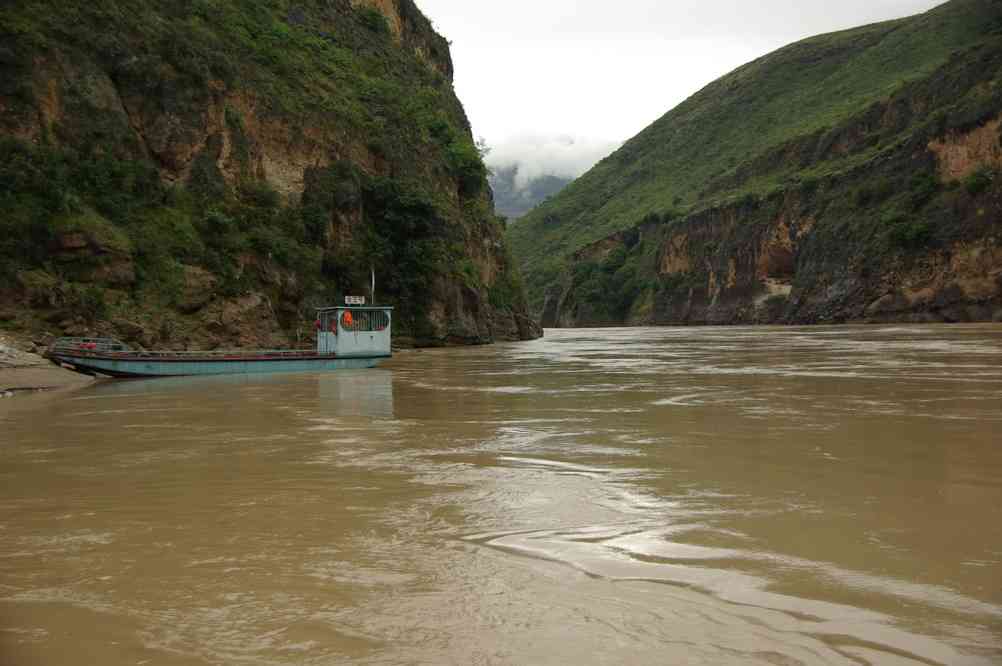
[22, 370]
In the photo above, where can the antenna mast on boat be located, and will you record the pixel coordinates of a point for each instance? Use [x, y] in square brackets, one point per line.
[372, 291]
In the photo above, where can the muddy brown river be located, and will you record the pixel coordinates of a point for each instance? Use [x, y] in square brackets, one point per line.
[669, 496]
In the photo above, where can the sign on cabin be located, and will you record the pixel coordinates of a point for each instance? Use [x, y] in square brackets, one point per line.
[354, 300]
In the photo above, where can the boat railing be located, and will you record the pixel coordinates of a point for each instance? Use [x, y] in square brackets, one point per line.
[217, 354]
[116, 348]
[88, 344]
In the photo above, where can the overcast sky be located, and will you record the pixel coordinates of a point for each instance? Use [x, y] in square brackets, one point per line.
[558, 84]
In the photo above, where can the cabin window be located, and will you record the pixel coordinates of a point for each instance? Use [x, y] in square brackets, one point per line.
[364, 321]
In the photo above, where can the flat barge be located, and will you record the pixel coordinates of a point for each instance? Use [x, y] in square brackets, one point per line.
[348, 338]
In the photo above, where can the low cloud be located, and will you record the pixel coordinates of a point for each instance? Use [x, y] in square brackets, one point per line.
[537, 156]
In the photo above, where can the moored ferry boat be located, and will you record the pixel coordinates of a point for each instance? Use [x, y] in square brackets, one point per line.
[348, 337]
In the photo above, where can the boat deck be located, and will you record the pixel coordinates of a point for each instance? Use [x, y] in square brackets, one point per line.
[113, 358]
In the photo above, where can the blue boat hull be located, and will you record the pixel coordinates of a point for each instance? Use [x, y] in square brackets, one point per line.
[150, 367]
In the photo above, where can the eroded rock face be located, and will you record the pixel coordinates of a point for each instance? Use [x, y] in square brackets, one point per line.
[247, 322]
[780, 264]
[92, 261]
[961, 154]
[961, 283]
[460, 315]
[913, 236]
[198, 291]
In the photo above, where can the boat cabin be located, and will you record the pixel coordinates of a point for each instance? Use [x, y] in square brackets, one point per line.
[354, 331]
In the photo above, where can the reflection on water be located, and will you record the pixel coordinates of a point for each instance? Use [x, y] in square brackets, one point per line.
[774, 496]
[358, 393]
[350, 392]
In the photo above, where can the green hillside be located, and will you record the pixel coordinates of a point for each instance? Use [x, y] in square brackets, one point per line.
[205, 172]
[744, 133]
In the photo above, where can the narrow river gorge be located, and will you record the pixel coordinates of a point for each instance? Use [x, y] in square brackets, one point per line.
[698, 496]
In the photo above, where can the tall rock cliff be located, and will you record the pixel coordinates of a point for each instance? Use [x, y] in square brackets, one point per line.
[848, 177]
[205, 172]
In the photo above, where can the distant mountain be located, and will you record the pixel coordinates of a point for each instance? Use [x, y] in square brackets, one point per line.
[513, 199]
[850, 176]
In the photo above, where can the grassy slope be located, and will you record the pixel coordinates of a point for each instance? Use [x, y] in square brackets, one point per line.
[794, 92]
[301, 59]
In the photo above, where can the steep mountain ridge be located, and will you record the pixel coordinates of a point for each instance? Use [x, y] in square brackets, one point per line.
[204, 172]
[884, 107]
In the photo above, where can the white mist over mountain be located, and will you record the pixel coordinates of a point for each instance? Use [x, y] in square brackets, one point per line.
[538, 79]
[535, 156]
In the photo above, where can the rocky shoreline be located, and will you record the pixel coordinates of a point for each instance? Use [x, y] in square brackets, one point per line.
[23, 371]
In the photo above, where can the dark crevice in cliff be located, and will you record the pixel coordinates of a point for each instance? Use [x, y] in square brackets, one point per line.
[134, 122]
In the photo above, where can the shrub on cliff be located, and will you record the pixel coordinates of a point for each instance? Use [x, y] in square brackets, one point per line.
[979, 181]
[909, 234]
[374, 20]
[466, 163]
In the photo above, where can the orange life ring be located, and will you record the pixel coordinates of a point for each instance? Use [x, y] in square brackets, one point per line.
[347, 320]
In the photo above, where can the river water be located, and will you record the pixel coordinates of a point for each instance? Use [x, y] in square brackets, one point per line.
[679, 496]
